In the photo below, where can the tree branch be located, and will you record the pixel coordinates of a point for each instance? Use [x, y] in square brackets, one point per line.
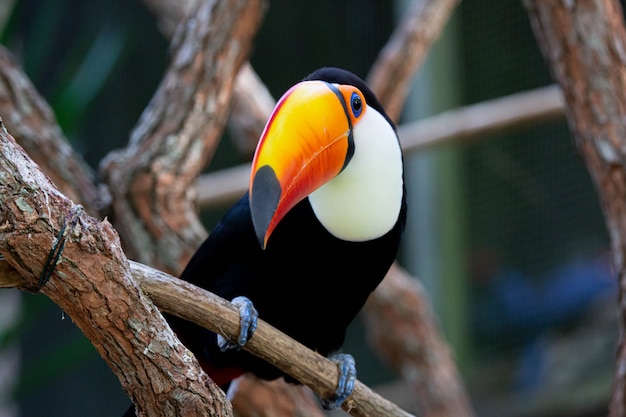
[252, 107]
[169, 13]
[417, 32]
[252, 102]
[477, 121]
[151, 180]
[218, 315]
[167, 123]
[584, 44]
[92, 283]
[206, 309]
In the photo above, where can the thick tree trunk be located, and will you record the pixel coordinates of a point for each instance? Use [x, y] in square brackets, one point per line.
[584, 43]
[218, 315]
[92, 283]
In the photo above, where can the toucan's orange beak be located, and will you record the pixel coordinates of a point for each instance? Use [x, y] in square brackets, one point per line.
[306, 142]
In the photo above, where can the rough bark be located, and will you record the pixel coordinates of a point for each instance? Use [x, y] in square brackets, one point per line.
[208, 310]
[92, 283]
[166, 130]
[247, 117]
[151, 181]
[445, 395]
[584, 43]
[251, 96]
[310, 368]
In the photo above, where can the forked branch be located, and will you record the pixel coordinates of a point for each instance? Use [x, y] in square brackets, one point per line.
[92, 284]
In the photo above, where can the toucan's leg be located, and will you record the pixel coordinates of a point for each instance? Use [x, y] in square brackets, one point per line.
[345, 385]
[247, 325]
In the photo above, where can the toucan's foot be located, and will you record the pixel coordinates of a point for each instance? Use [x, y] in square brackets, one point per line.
[248, 320]
[345, 385]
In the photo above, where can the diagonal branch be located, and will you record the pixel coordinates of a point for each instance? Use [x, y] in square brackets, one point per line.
[164, 121]
[216, 314]
[92, 283]
[417, 32]
[249, 110]
[151, 180]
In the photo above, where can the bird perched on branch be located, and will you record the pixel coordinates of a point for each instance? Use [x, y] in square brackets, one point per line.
[315, 234]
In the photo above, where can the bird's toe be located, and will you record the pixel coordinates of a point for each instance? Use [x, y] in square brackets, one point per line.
[345, 384]
[248, 317]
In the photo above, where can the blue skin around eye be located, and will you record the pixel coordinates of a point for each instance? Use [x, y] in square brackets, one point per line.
[356, 111]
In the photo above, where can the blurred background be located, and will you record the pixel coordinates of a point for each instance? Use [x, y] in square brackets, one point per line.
[505, 232]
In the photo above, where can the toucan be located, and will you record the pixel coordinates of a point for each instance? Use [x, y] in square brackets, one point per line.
[315, 234]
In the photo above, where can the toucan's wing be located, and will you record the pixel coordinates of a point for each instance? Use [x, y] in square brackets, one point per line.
[223, 264]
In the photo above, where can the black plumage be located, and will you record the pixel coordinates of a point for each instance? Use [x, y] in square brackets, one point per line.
[306, 282]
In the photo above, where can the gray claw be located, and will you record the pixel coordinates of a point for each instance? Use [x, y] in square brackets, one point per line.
[345, 384]
[247, 324]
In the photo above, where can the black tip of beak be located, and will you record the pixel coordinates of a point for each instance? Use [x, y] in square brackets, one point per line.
[264, 197]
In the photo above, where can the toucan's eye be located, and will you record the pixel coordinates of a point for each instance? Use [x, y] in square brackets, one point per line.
[357, 104]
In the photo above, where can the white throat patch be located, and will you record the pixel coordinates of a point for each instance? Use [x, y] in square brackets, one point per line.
[363, 202]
